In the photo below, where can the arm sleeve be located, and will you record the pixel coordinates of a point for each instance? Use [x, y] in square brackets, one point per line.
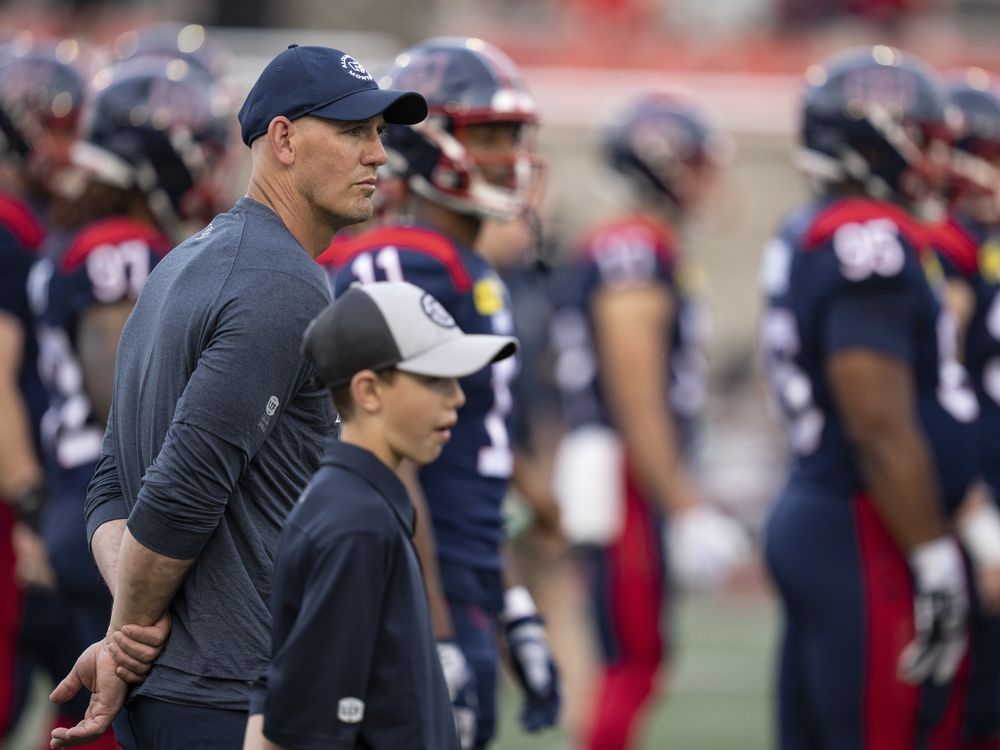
[105, 501]
[185, 492]
[870, 318]
[252, 365]
[330, 646]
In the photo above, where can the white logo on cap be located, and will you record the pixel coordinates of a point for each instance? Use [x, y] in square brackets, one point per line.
[354, 68]
[350, 710]
[436, 312]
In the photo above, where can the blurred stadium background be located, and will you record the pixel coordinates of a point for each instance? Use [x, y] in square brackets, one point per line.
[580, 58]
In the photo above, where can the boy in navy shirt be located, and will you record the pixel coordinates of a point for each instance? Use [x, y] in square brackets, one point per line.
[354, 662]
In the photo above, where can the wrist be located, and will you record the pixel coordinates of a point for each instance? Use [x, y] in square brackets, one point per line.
[28, 505]
[980, 533]
[517, 604]
[937, 564]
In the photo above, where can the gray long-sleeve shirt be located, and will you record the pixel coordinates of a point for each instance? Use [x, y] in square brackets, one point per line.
[216, 426]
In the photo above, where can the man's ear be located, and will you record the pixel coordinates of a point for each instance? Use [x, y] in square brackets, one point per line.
[280, 139]
[365, 392]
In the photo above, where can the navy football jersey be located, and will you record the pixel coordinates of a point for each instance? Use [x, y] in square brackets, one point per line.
[21, 237]
[627, 252]
[105, 262]
[465, 487]
[856, 273]
[972, 252]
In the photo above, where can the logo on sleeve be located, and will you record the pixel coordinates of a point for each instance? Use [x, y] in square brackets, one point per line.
[351, 710]
[269, 410]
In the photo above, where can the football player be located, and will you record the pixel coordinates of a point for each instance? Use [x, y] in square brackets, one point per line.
[860, 354]
[41, 91]
[467, 161]
[969, 242]
[628, 334]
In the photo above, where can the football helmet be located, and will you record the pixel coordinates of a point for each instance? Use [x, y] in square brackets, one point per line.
[467, 82]
[975, 94]
[663, 143]
[876, 117]
[42, 89]
[155, 128]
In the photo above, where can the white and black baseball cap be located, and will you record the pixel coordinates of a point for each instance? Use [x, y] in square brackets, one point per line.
[395, 324]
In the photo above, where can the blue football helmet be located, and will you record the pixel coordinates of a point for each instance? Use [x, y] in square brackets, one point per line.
[42, 90]
[878, 118]
[662, 143]
[975, 94]
[467, 82]
[155, 128]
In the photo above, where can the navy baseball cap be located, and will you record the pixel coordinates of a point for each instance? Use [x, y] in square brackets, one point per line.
[323, 82]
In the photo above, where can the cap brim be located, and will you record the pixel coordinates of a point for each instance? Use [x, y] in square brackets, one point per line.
[460, 356]
[399, 107]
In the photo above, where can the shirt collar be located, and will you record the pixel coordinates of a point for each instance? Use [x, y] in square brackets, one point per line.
[364, 463]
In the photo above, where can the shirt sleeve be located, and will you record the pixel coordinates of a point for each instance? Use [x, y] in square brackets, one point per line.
[185, 491]
[869, 318]
[252, 365]
[105, 501]
[329, 649]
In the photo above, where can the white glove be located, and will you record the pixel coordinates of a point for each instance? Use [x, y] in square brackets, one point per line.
[940, 608]
[461, 682]
[704, 546]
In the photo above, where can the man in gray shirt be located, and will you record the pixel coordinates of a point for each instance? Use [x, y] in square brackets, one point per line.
[217, 420]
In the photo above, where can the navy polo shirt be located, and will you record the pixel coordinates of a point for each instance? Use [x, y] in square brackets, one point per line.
[354, 661]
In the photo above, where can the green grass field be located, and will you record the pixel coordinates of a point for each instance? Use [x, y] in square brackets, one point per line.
[722, 690]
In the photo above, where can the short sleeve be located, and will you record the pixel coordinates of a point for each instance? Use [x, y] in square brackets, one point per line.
[325, 655]
[629, 256]
[252, 365]
[872, 319]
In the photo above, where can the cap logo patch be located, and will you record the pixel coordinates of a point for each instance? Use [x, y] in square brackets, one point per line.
[354, 68]
[350, 710]
[436, 312]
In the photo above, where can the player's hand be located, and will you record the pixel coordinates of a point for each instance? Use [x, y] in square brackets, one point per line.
[940, 609]
[136, 647]
[94, 670]
[532, 660]
[461, 682]
[705, 545]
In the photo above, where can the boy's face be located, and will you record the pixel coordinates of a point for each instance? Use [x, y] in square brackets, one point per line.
[419, 413]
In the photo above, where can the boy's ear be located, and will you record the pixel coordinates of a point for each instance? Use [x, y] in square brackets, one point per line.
[364, 391]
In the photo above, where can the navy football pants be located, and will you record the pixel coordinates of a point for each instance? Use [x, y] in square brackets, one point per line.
[848, 603]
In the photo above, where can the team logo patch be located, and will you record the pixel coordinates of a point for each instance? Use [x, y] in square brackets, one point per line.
[350, 710]
[487, 295]
[272, 406]
[354, 68]
[436, 312]
[989, 262]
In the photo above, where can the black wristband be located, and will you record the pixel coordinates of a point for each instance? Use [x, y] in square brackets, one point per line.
[29, 504]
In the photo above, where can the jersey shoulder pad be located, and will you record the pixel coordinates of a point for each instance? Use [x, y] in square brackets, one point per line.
[958, 248]
[630, 249]
[407, 240]
[835, 216]
[18, 219]
[113, 231]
